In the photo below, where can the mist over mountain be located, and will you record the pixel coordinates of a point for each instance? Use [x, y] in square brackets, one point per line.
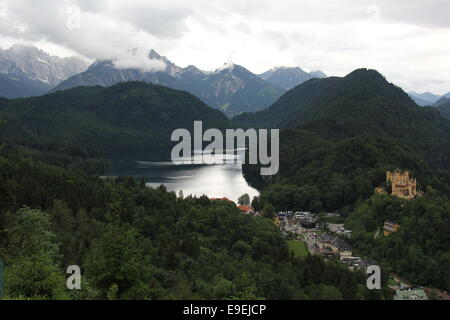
[289, 77]
[318, 74]
[424, 99]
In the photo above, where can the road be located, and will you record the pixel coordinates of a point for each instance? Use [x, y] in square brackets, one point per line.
[310, 243]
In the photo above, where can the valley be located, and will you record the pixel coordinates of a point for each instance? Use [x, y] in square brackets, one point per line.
[82, 166]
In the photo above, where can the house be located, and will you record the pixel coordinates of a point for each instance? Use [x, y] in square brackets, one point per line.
[335, 227]
[333, 214]
[347, 233]
[339, 228]
[345, 251]
[390, 227]
[307, 223]
[246, 209]
[329, 244]
[326, 244]
[410, 295]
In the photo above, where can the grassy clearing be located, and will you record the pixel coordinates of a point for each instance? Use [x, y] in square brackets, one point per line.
[298, 248]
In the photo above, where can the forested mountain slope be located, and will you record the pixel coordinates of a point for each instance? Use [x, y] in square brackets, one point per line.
[126, 116]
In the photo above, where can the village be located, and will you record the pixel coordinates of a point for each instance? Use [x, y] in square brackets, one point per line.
[322, 236]
[328, 240]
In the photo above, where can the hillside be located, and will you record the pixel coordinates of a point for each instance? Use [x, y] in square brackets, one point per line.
[361, 104]
[134, 242]
[442, 101]
[347, 132]
[12, 87]
[362, 91]
[419, 250]
[443, 105]
[233, 90]
[342, 135]
[127, 116]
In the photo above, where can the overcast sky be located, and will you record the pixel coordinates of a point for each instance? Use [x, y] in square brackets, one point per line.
[406, 40]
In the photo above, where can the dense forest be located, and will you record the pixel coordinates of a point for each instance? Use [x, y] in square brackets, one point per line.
[419, 251]
[127, 116]
[134, 242]
[131, 241]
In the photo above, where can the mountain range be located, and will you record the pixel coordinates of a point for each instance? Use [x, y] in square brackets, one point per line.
[28, 71]
[231, 88]
[425, 99]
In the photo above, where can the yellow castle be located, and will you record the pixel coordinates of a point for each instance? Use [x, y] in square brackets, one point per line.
[403, 186]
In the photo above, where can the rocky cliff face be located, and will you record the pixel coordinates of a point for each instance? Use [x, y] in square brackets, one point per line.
[37, 65]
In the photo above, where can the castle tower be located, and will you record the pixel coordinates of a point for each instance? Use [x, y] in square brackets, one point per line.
[402, 185]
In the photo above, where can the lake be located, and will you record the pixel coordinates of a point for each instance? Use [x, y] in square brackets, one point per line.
[215, 181]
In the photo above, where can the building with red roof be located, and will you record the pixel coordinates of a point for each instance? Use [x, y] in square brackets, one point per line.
[246, 209]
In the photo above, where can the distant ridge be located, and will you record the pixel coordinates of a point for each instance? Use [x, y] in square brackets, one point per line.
[289, 77]
[424, 99]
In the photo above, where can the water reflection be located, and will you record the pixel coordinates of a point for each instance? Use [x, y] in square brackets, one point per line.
[216, 181]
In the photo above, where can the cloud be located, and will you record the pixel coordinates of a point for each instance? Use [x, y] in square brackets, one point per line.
[407, 40]
[97, 31]
[139, 59]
